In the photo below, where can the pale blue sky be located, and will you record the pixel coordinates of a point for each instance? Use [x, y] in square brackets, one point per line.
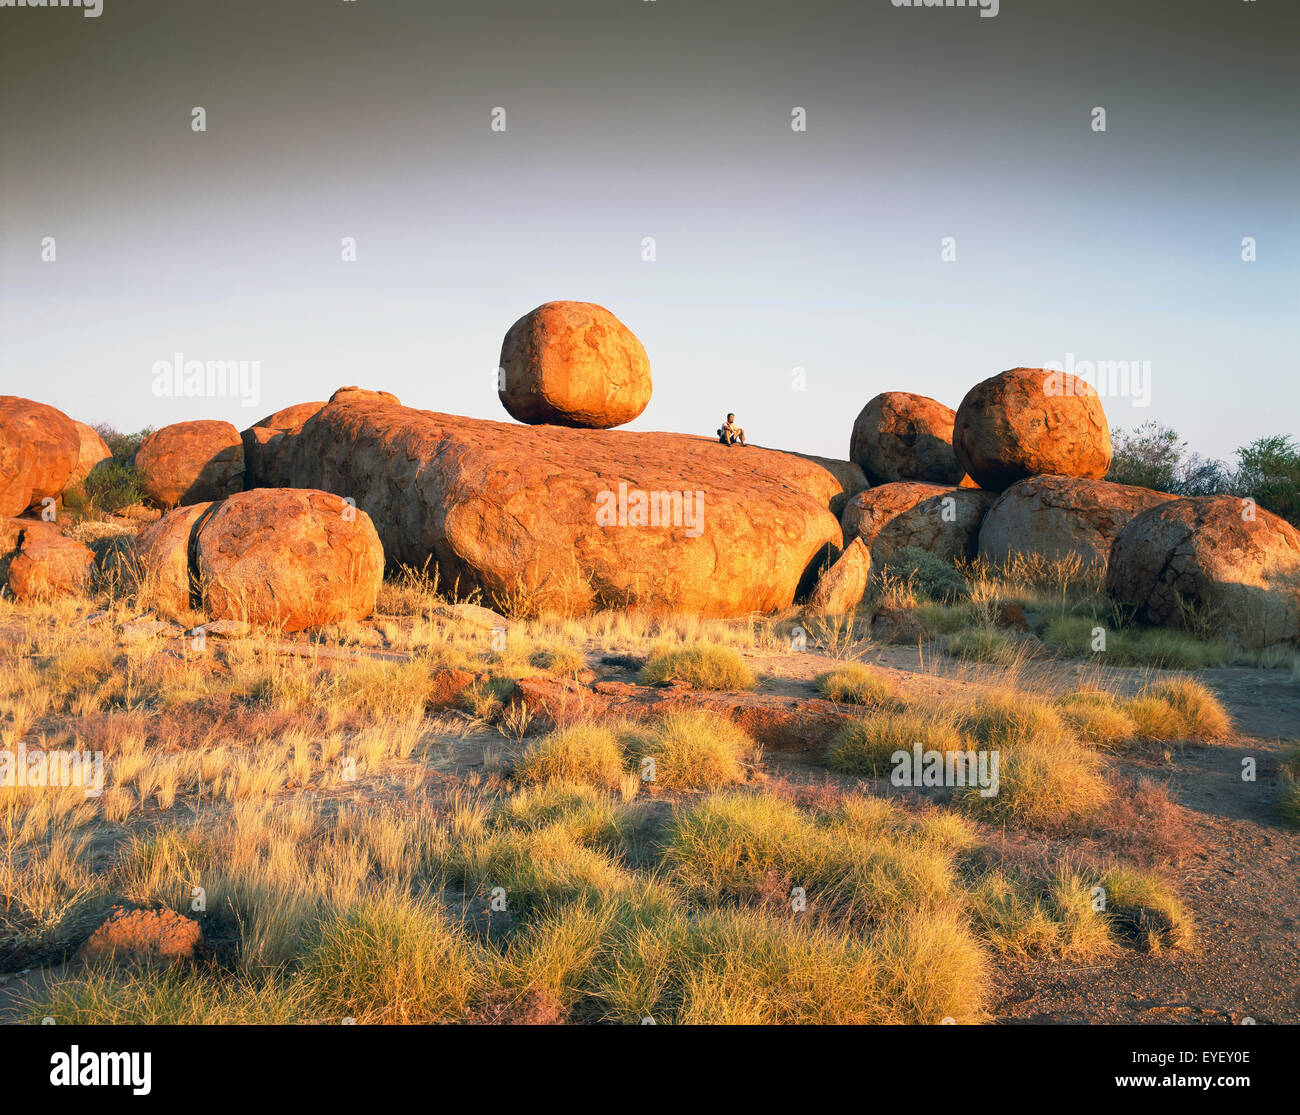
[775, 249]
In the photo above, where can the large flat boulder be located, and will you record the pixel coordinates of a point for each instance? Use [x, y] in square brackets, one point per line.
[1031, 422]
[575, 520]
[573, 364]
[39, 447]
[1214, 559]
[941, 519]
[191, 462]
[902, 436]
[1056, 517]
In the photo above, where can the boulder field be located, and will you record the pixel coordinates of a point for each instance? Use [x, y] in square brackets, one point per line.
[576, 520]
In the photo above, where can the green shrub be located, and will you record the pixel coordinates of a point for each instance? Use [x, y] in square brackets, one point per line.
[929, 576]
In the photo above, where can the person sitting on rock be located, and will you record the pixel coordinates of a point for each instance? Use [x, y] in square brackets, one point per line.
[731, 434]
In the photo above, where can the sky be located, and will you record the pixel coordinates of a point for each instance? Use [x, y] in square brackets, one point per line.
[795, 273]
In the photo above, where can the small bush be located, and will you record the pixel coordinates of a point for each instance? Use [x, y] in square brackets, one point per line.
[866, 747]
[1008, 721]
[696, 750]
[853, 684]
[391, 960]
[113, 486]
[583, 754]
[1051, 784]
[1161, 647]
[558, 658]
[1047, 918]
[928, 576]
[987, 644]
[1096, 717]
[1142, 909]
[705, 666]
[1179, 709]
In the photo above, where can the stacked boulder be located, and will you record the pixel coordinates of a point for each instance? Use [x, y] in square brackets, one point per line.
[901, 436]
[1031, 422]
[573, 364]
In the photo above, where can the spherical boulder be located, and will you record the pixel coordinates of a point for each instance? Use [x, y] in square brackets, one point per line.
[1217, 560]
[39, 447]
[287, 557]
[1055, 517]
[92, 449]
[573, 364]
[901, 436]
[40, 563]
[942, 520]
[1030, 422]
[191, 462]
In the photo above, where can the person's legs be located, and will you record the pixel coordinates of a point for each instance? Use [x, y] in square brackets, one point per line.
[740, 436]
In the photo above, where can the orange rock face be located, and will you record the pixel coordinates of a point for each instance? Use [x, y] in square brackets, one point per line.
[573, 364]
[943, 520]
[1234, 564]
[191, 462]
[92, 449]
[149, 937]
[1055, 517]
[162, 556]
[265, 457]
[1031, 422]
[901, 436]
[288, 558]
[840, 588]
[357, 394]
[39, 563]
[39, 447]
[576, 520]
